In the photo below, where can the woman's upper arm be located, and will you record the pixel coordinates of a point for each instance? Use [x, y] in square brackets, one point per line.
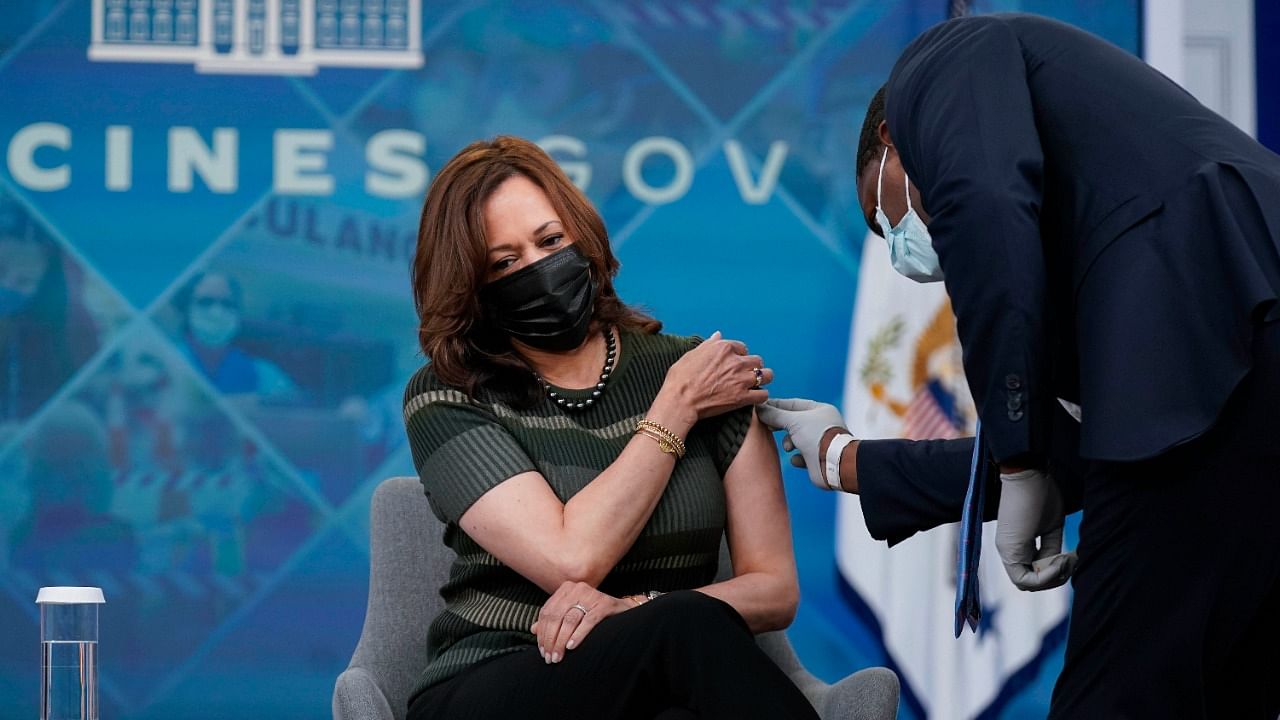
[519, 522]
[759, 529]
[478, 476]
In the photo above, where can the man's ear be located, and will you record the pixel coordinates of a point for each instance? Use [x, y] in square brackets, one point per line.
[883, 132]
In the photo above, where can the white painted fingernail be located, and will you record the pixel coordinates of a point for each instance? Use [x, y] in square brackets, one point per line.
[571, 644]
[555, 657]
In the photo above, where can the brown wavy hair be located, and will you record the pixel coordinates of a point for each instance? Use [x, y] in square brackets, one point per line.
[452, 255]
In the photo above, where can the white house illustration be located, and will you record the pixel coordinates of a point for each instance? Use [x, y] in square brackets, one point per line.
[275, 37]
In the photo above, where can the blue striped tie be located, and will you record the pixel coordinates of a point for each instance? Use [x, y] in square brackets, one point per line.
[968, 603]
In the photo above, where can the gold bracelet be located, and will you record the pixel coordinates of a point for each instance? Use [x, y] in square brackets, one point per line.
[664, 443]
[644, 597]
[669, 443]
[670, 436]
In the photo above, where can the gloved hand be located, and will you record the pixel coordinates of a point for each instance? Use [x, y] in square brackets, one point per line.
[805, 422]
[1030, 508]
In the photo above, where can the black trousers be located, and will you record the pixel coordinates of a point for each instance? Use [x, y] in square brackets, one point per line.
[683, 655]
[1177, 594]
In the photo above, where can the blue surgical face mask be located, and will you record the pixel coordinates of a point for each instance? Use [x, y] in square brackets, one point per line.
[214, 325]
[910, 247]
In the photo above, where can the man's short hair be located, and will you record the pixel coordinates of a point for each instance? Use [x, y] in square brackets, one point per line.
[869, 145]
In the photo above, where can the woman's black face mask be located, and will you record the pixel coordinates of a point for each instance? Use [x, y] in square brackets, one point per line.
[547, 304]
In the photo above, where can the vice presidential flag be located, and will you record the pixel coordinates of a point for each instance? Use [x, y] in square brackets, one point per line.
[905, 379]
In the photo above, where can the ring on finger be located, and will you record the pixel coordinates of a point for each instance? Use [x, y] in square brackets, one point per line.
[759, 378]
[577, 606]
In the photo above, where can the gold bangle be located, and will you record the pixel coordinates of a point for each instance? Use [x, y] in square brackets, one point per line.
[664, 444]
[671, 437]
[670, 443]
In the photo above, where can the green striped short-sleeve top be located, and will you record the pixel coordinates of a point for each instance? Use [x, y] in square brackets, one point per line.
[463, 446]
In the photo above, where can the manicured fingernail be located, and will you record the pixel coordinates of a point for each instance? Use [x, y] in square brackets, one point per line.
[571, 644]
[555, 657]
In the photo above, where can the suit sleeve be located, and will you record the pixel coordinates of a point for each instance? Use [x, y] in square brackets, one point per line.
[960, 113]
[911, 486]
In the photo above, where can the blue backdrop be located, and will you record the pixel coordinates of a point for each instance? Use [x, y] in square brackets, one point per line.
[157, 169]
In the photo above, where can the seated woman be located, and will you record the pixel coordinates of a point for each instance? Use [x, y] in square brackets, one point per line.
[586, 468]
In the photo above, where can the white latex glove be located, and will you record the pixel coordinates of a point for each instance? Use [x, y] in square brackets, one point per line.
[805, 422]
[1030, 508]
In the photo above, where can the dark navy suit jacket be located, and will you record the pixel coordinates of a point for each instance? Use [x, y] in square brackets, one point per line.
[1105, 238]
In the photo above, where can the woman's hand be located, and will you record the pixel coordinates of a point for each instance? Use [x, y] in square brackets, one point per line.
[718, 376]
[569, 615]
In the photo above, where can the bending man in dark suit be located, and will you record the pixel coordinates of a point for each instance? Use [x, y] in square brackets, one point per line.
[1107, 241]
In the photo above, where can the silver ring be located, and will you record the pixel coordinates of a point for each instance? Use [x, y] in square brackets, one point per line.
[578, 606]
[759, 378]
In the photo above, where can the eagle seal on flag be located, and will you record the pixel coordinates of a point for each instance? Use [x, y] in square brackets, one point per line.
[939, 406]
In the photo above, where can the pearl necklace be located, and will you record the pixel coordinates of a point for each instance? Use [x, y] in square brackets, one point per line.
[611, 357]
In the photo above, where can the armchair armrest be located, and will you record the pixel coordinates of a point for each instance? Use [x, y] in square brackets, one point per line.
[356, 696]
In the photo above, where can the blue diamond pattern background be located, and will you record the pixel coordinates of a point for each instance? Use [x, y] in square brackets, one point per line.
[226, 517]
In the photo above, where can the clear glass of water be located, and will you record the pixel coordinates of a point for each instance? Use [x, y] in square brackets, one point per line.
[69, 652]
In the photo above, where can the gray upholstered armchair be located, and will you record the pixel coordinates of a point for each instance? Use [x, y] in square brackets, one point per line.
[408, 564]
